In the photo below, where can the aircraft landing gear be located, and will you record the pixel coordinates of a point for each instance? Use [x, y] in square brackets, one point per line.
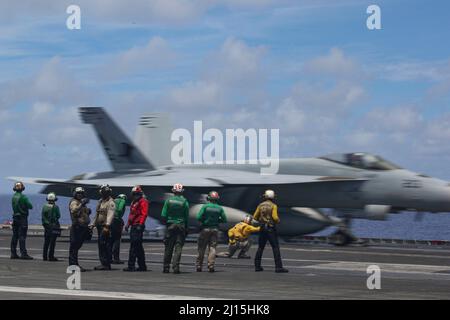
[343, 236]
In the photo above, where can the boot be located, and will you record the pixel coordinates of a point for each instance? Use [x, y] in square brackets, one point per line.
[26, 257]
[102, 268]
[129, 269]
[281, 270]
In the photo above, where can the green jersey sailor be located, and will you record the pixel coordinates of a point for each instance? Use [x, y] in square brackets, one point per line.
[21, 206]
[175, 215]
[210, 216]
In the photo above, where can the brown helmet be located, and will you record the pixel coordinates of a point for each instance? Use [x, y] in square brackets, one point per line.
[19, 187]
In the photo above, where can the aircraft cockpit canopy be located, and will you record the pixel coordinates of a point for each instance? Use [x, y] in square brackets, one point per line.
[362, 160]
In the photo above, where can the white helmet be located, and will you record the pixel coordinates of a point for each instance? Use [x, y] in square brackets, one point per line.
[247, 219]
[52, 197]
[122, 196]
[79, 190]
[269, 194]
[178, 188]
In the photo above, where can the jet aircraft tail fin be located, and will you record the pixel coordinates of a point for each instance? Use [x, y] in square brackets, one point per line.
[121, 152]
[153, 138]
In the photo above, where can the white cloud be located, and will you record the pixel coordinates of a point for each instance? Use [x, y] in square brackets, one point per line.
[336, 63]
[53, 83]
[393, 119]
[230, 77]
[235, 64]
[414, 71]
[155, 55]
[317, 107]
[196, 95]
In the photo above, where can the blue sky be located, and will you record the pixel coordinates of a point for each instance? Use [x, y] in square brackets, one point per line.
[311, 68]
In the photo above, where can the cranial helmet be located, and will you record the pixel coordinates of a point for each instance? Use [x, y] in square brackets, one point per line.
[178, 188]
[269, 195]
[213, 196]
[105, 190]
[80, 191]
[247, 219]
[137, 190]
[19, 186]
[52, 197]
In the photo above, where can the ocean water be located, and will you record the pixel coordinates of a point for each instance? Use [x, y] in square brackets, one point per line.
[397, 226]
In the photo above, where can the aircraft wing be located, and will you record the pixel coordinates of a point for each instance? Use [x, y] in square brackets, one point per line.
[123, 182]
[256, 179]
[212, 179]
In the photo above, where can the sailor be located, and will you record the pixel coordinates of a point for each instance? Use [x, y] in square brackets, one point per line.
[117, 227]
[210, 216]
[102, 222]
[79, 231]
[21, 206]
[175, 215]
[239, 238]
[267, 215]
[136, 220]
[52, 229]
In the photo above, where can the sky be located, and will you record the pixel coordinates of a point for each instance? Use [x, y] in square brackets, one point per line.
[311, 68]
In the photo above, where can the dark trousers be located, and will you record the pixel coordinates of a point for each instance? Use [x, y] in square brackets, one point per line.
[20, 229]
[49, 243]
[136, 247]
[268, 234]
[78, 234]
[174, 242]
[116, 236]
[104, 247]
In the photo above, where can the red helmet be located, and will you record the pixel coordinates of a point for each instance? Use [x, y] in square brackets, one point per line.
[213, 195]
[137, 190]
[177, 188]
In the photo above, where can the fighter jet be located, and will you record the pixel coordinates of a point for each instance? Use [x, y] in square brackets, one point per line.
[351, 185]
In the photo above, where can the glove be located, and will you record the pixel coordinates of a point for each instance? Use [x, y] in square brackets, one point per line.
[84, 201]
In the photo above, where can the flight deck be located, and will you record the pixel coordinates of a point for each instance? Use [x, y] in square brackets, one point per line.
[317, 271]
